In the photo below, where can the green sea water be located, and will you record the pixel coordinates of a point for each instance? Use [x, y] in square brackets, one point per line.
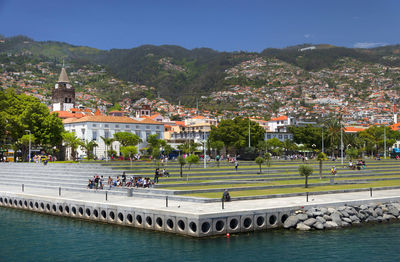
[27, 236]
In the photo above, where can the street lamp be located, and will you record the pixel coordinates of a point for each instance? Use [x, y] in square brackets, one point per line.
[204, 148]
[29, 144]
[249, 131]
[384, 131]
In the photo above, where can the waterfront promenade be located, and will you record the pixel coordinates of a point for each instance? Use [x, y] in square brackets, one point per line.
[196, 208]
[60, 189]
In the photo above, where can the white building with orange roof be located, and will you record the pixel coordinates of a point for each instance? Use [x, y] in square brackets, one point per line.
[280, 124]
[92, 128]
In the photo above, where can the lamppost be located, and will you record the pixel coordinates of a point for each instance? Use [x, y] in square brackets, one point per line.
[249, 131]
[384, 132]
[29, 157]
[341, 141]
[322, 140]
[204, 148]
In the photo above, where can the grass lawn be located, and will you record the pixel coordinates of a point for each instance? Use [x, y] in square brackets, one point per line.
[298, 189]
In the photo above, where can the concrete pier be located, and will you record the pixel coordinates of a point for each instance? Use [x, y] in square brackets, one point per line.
[180, 217]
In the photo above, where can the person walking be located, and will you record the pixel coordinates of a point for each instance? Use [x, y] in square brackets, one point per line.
[333, 171]
[236, 165]
[156, 175]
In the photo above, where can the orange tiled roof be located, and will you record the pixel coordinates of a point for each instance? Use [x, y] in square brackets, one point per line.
[280, 118]
[150, 121]
[198, 117]
[395, 127]
[102, 118]
[66, 114]
[352, 129]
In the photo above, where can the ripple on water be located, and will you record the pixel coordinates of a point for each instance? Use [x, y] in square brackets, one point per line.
[27, 236]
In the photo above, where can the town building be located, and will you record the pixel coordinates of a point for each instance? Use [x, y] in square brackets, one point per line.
[92, 128]
[63, 93]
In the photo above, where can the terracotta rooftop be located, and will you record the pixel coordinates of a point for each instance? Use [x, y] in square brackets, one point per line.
[101, 118]
[280, 118]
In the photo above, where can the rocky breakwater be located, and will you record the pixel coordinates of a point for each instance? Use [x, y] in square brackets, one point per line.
[343, 216]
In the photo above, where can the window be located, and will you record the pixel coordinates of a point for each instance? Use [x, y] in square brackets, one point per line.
[280, 136]
[106, 133]
[94, 125]
[147, 127]
[138, 134]
[105, 125]
[126, 126]
[83, 131]
[116, 126]
[286, 136]
[157, 127]
[158, 135]
[73, 131]
[94, 135]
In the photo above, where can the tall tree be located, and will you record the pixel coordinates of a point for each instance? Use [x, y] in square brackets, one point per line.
[235, 133]
[71, 141]
[127, 138]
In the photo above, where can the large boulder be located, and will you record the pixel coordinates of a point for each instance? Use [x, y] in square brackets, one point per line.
[336, 218]
[302, 217]
[344, 213]
[354, 218]
[318, 225]
[291, 221]
[387, 217]
[321, 220]
[347, 220]
[331, 210]
[324, 210]
[327, 218]
[394, 211]
[309, 222]
[330, 224]
[379, 211]
[303, 227]
[317, 213]
[345, 224]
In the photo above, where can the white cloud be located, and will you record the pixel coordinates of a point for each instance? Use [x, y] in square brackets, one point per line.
[368, 44]
[307, 35]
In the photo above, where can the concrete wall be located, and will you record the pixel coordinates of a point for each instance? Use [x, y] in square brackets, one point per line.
[161, 220]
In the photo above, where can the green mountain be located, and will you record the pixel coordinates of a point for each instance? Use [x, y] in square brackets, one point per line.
[177, 73]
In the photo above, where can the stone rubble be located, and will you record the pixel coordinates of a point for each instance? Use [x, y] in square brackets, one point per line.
[329, 218]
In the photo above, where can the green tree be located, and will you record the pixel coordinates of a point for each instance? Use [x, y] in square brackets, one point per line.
[88, 147]
[321, 157]
[108, 143]
[275, 146]
[22, 112]
[267, 160]
[181, 162]
[259, 160]
[352, 152]
[23, 144]
[192, 159]
[70, 140]
[306, 171]
[129, 151]
[235, 133]
[127, 138]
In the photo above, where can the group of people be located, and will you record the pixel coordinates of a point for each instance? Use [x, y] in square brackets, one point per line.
[96, 182]
[359, 165]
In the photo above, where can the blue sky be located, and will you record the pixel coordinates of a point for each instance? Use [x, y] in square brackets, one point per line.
[248, 25]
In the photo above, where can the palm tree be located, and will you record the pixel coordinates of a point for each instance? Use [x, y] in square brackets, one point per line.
[71, 141]
[333, 127]
[88, 146]
[107, 142]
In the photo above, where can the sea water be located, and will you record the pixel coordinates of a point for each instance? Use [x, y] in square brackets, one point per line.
[28, 236]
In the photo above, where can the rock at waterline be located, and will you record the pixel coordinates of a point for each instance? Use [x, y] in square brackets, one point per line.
[318, 225]
[309, 222]
[302, 217]
[330, 224]
[303, 227]
[291, 222]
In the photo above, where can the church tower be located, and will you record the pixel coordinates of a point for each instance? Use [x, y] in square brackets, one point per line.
[63, 94]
